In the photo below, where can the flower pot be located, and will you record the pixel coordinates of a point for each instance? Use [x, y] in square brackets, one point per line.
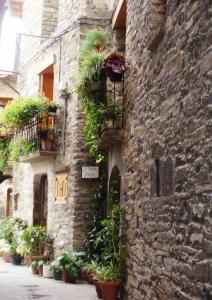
[98, 289]
[109, 289]
[40, 269]
[67, 278]
[16, 259]
[46, 272]
[57, 275]
[52, 109]
[47, 144]
[7, 257]
[31, 258]
[89, 276]
[35, 271]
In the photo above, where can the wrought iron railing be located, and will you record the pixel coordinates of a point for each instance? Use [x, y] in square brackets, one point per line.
[39, 133]
[113, 117]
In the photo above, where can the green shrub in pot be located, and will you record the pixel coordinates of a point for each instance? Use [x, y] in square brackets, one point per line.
[57, 270]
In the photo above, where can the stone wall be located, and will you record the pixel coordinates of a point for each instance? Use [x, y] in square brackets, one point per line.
[168, 174]
[40, 18]
[50, 17]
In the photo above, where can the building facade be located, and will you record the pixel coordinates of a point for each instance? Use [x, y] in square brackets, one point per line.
[161, 156]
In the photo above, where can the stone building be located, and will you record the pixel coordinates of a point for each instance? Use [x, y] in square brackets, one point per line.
[162, 155]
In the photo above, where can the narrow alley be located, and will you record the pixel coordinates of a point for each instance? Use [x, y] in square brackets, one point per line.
[18, 283]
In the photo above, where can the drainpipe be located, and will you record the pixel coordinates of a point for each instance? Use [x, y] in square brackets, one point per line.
[65, 94]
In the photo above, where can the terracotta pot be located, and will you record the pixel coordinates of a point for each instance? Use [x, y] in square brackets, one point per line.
[109, 289]
[66, 277]
[89, 276]
[7, 257]
[31, 258]
[48, 144]
[98, 289]
[35, 271]
[40, 269]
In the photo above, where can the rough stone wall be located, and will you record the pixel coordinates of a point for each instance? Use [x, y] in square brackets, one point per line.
[39, 18]
[32, 20]
[168, 150]
[50, 17]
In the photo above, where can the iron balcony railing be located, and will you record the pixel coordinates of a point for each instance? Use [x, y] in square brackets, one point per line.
[38, 134]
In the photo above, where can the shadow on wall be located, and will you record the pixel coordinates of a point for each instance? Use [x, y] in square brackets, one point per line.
[40, 205]
[6, 202]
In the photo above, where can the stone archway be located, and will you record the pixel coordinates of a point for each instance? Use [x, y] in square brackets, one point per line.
[40, 200]
[114, 191]
[9, 203]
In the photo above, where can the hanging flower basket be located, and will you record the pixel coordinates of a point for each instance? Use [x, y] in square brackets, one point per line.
[114, 66]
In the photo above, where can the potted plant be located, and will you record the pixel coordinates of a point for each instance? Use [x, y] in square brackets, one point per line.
[108, 278]
[52, 107]
[89, 271]
[5, 252]
[63, 260]
[34, 267]
[112, 116]
[114, 66]
[57, 270]
[71, 264]
[46, 138]
[15, 256]
[33, 243]
[10, 229]
[42, 133]
[40, 267]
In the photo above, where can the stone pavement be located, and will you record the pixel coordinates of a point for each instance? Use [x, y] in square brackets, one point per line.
[18, 283]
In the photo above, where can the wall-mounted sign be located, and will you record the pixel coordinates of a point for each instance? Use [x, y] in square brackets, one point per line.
[90, 172]
[61, 188]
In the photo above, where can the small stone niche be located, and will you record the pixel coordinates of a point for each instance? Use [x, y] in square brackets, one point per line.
[61, 188]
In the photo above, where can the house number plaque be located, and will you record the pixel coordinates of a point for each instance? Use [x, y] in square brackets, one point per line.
[90, 172]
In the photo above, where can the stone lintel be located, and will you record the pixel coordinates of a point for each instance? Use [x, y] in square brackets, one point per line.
[111, 137]
[38, 156]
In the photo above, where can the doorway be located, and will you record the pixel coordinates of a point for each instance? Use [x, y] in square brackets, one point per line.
[9, 207]
[114, 187]
[40, 208]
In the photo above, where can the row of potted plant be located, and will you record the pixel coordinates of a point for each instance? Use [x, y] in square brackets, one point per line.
[105, 248]
[22, 241]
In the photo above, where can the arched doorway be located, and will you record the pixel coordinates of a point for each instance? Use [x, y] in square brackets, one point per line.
[114, 187]
[9, 207]
[40, 208]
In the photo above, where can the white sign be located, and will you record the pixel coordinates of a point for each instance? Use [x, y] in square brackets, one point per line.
[90, 172]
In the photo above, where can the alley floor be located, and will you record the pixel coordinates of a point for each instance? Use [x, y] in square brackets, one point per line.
[18, 283]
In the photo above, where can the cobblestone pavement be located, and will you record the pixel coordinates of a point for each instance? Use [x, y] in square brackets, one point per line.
[18, 283]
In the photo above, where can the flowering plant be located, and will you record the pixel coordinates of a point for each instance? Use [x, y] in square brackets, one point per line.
[11, 230]
[34, 239]
[114, 65]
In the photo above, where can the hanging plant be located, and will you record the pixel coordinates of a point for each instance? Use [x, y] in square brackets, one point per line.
[18, 113]
[114, 66]
[91, 86]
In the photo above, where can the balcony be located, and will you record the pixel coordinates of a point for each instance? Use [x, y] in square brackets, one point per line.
[38, 140]
[112, 132]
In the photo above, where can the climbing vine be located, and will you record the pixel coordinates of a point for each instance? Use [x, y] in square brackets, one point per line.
[91, 86]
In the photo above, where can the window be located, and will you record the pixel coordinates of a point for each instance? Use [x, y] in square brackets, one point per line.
[47, 83]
